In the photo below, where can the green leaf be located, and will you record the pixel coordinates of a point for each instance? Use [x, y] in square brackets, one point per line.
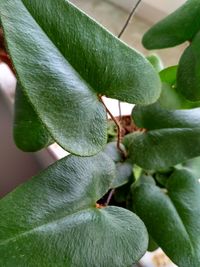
[29, 133]
[188, 76]
[63, 60]
[152, 245]
[172, 218]
[124, 173]
[124, 169]
[170, 98]
[168, 75]
[113, 152]
[178, 27]
[161, 149]
[154, 117]
[194, 166]
[156, 62]
[52, 220]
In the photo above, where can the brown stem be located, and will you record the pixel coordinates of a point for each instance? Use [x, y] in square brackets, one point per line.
[110, 197]
[119, 131]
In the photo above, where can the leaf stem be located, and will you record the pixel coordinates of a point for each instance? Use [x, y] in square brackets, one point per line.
[119, 131]
[110, 196]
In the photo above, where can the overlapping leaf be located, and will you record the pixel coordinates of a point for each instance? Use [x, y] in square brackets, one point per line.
[63, 60]
[154, 117]
[163, 148]
[178, 27]
[29, 133]
[188, 76]
[124, 168]
[52, 220]
[156, 62]
[172, 218]
[170, 97]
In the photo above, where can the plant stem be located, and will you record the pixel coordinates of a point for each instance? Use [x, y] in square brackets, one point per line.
[120, 35]
[119, 135]
[109, 197]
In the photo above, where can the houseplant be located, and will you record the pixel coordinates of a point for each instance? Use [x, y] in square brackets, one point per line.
[65, 62]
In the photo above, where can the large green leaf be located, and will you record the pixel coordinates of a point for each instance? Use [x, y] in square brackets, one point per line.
[163, 148]
[188, 76]
[172, 218]
[178, 27]
[154, 117]
[29, 133]
[52, 220]
[63, 60]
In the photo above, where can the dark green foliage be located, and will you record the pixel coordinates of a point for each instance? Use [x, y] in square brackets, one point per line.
[178, 27]
[188, 76]
[65, 62]
[172, 216]
[29, 133]
[163, 148]
[57, 217]
[87, 61]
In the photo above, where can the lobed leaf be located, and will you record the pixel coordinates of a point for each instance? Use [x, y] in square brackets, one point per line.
[178, 27]
[172, 218]
[30, 135]
[63, 60]
[52, 220]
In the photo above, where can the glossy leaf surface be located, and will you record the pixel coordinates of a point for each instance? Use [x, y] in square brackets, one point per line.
[161, 149]
[188, 76]
[154, 117]
[29, 133]
[178, 27]
[172, 218]
[63, 60]
[52, 220]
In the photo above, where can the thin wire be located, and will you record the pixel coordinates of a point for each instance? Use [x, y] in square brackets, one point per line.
[129, 18]
[120, 35]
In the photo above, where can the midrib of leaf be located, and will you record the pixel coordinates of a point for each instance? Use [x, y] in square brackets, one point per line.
[40, 226]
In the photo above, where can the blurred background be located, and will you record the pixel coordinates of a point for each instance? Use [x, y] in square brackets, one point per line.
[16, 166]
